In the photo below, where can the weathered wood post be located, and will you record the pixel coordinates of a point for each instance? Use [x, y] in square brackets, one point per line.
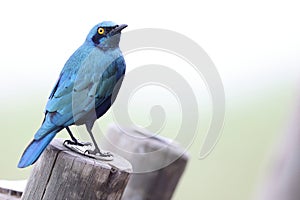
[157, 163]
[11, 190]
[63, 174]
[282, 178]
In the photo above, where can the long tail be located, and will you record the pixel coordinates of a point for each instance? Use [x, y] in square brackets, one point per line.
[35, 149]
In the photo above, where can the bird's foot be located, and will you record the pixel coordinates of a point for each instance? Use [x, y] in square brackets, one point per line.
[85, 148]
[82, 144]
[78, 147]
[99, 155]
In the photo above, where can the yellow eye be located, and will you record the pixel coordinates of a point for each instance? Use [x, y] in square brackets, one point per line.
[101, 31]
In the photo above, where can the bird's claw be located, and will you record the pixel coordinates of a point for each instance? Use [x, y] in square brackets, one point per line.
[82, 144]
[85, 149]
[77, 147]
[99, 155]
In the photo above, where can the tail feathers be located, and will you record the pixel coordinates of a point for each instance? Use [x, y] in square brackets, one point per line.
[46, 128]
[35, 149]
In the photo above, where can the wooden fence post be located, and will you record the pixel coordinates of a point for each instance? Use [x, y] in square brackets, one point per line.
[11, 190]
[63, 174]
[282, 178]
[157, 163]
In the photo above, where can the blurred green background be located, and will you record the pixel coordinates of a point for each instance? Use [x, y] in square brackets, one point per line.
[233, 169]
[255, 46]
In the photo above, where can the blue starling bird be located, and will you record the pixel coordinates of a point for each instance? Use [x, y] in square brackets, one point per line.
[84, 91]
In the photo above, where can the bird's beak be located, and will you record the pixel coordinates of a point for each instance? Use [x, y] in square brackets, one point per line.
[118, 29]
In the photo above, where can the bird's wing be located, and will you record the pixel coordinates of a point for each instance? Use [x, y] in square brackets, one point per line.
[99, 90]
[109, 79]
[84, 83]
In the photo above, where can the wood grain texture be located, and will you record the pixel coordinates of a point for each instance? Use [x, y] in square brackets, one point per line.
[8, 194]
[9, 190]
[63, 174]
[158, 163]
[9, 197]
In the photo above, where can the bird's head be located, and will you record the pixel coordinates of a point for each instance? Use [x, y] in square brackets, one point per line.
[105, 35]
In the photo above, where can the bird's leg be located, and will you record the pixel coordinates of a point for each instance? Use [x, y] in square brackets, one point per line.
[97, 150]
[74, 141]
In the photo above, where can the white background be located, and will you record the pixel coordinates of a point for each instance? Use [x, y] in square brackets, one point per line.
[254, 44]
